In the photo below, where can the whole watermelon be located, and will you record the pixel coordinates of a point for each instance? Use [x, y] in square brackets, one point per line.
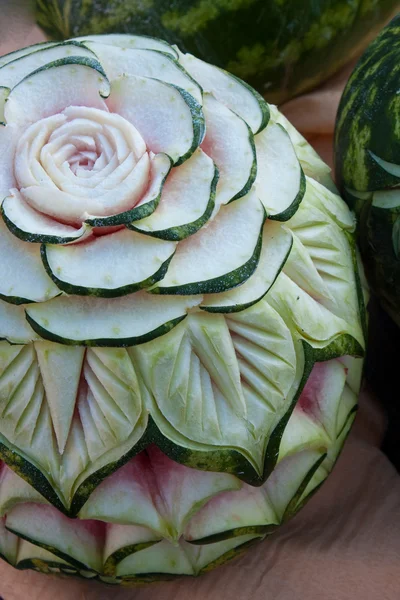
[367, 157]
[281, 47]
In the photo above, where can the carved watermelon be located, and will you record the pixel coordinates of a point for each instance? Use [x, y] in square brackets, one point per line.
[181, 319]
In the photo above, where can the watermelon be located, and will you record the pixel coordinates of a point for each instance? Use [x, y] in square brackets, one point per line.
[367, 157]
[181, 316]
[282, 48]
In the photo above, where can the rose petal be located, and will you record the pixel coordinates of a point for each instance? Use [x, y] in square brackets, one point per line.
[19, 68]
[187, 200]
[230, 143]
[70, 81]
[228, 89]
[160, 166]
[124, 40]
[112, 265]
[8, 141]
[280, 182]
[28, 170]
[201, 265]
[166, 118]
[70, 209]
[125, 131]
[128, 320]
[32, 226]
[145, 63]
[22, 276]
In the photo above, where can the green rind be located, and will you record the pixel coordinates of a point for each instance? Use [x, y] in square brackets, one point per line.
[199, 125]
[17, 300]
[181, 232]
[135, 214]
[21, 52]
[114, 559]
[171, 51]
[230, 555]
[91, 63]
[277, 48]
[79, 290]
[264, 108]
[53, 550]
[288, 213]
[25, 468]
[34, 238]
[253, 172]
[221, 460]
[218, 284]
[293, 506]
[104, 342]
[239, 307]
[260, 530]
[342, 345]
[45, 48]
[4, 93]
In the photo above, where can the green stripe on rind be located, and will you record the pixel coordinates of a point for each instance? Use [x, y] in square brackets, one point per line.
[253, 173]
[35, 237]
[181, 232]
[45, 48]
[291, 210]
[17, 300]
[104, 342]
[38, 46]
[221, 459]
[231, 554]
[264, 108]
[49, 10]
[79, 290]
[239, 307]
[198, 120]
[4, 93]
[110, 565]
[171, 52]
[293, 507]
[52, 549]
[83, 61]
[259, 530]
[38, 564]
[83, 492]
[217, 284]
[135, 214]
[368, 116]
[25, 468]
[182, 69]
[343, 345]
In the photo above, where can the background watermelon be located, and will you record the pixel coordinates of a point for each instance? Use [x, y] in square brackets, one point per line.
[367, 157]
[281, 47]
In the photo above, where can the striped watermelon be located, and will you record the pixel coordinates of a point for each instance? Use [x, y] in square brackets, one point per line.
[367, 156]
[280, 47]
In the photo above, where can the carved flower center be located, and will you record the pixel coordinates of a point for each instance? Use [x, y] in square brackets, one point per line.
[82, 162]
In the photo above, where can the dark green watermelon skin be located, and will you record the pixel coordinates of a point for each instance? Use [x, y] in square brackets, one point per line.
[281, 47]
[368, 121]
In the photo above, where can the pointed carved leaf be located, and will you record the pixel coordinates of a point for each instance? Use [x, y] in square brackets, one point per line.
[61, 368]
